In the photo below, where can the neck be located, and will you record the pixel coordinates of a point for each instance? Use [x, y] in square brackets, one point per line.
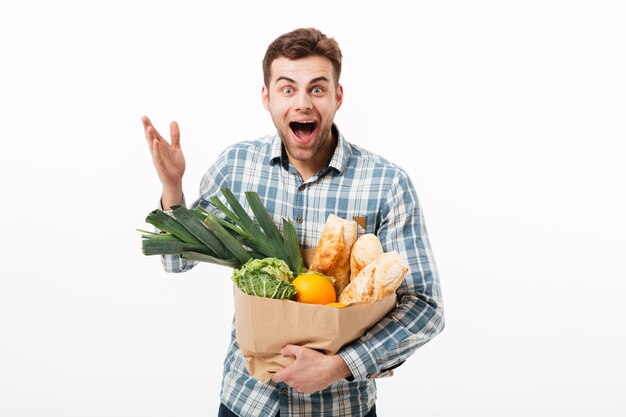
[312, 166]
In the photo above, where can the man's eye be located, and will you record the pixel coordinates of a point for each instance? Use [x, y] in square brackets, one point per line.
[317, 90]
[287, 90]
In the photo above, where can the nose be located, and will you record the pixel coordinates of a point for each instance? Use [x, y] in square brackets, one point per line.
[303, 101]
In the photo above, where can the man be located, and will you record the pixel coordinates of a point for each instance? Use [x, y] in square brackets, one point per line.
[305, 172]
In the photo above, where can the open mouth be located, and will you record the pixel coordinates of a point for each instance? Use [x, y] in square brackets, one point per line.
[303, 129]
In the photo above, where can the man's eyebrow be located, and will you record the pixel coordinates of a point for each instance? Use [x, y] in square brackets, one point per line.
[318, 79]
[313, 81]
[283, 78]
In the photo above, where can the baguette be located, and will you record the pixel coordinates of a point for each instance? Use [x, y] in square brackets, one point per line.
[365, 250]
[377, 280]
[332, 255]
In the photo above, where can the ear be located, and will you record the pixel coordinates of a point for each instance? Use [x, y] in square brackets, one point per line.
[265, 96]
[339, 96]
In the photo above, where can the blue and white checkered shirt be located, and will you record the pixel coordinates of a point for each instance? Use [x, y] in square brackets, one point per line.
[355, 183]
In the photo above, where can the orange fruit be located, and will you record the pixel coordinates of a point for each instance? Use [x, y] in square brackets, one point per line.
[338, 305]
[314, 288]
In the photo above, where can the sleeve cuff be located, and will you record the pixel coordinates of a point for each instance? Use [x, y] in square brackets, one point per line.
[360, 360]
[182, 203]
[363, 364]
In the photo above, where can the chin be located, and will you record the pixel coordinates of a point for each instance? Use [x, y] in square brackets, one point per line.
[300, 154]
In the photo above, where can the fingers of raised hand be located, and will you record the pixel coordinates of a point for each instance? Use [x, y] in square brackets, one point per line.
[175, 134]
[160, 151]
[149, 130]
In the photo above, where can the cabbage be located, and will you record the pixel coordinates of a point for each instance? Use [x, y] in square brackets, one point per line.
[269, 277]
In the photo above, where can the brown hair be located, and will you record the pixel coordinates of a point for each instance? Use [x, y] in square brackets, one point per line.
[302, 43]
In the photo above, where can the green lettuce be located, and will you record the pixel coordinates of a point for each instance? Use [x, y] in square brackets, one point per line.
[268, 277]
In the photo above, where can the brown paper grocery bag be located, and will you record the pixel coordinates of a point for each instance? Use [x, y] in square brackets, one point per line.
[264, 326]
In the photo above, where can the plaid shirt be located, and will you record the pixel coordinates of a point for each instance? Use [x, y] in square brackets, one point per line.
[355, 183]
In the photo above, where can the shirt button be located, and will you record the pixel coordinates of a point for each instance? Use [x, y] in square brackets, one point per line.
[299, 220]
[302, 187]
[284, 391]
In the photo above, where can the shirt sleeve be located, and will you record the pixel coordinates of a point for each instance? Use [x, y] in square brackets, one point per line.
[418, 316]
[215, 178]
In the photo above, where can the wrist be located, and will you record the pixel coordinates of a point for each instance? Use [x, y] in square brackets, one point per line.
[342, 370]
[171, 198]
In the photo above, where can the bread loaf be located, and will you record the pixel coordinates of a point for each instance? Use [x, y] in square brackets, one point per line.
[365, 250]
[377, 280]
[332, 255]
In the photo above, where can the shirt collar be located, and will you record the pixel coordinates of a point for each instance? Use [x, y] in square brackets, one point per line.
[339, 160]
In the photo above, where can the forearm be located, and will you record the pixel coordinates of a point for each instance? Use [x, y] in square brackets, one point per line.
[171, 197]
[174, 263]
[413, 323]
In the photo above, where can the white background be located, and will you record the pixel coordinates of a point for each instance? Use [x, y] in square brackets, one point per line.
[509, 117]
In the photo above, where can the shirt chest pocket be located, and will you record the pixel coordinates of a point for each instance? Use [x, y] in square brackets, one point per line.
[366, 223]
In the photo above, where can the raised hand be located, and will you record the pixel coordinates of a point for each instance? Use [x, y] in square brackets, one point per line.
[168, 160]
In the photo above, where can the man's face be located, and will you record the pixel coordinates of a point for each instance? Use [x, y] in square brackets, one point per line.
[302, 98]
